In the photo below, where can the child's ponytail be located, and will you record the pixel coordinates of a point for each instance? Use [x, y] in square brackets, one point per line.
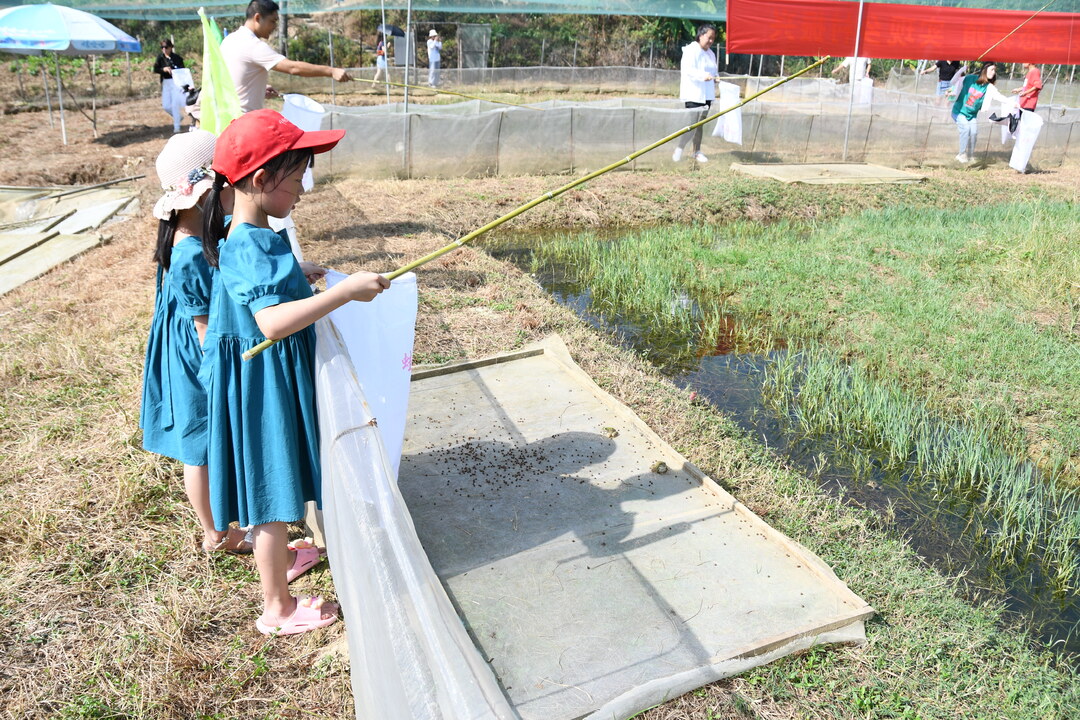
[213, 221]
[166, 232]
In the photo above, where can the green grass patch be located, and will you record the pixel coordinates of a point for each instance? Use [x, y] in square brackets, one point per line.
[974, 309]
[945, 341]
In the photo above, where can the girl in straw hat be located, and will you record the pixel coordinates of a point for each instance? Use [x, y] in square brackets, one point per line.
[173, 417]
[263, 428]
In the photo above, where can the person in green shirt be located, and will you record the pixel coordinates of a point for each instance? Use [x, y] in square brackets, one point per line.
[969, 101]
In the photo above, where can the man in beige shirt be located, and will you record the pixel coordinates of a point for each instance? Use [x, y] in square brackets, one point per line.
[250, 59]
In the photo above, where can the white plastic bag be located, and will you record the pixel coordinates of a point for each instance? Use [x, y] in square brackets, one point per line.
[182, 77]
[1008, 106]
[729, 126]
[864, 91]
[1026, 135]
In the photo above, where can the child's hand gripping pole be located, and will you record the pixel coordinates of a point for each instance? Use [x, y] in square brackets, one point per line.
[559, 191]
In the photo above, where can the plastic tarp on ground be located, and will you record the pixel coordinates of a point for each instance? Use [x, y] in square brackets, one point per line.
[43, 227]
[594, 581]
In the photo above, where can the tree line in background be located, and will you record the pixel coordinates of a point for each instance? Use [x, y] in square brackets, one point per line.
[516, 41]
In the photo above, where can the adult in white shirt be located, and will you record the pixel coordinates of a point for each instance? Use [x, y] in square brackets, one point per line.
[434, 54]
[697, 88]
[250, 59]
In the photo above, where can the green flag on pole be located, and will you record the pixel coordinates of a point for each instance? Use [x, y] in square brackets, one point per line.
[219, 103]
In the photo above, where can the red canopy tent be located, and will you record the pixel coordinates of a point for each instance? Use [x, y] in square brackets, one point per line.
[829, 27]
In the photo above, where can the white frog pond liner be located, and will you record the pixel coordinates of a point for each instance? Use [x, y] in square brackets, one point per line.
[592, 585]
[43, 227]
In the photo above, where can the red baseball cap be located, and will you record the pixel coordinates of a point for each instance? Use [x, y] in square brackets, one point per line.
[260, 135]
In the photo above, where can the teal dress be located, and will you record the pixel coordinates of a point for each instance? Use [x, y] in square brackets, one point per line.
[173, 417]
[263, 427]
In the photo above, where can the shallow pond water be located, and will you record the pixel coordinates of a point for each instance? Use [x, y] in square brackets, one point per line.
[725, 374]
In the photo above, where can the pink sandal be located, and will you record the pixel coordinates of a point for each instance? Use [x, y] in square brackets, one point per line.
[307, 557]
[307, 616]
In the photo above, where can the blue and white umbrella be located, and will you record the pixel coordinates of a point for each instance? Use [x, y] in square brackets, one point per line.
[38, 29]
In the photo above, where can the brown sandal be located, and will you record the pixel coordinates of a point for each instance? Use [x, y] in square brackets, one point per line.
[236, 547]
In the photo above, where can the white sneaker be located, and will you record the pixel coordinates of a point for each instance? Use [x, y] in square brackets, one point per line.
[962, 158]
[700, 157]
[677, 155]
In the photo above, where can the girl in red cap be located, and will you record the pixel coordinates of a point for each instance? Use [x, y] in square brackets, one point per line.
[263, 427]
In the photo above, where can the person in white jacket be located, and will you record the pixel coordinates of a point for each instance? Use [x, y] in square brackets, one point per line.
[697, 88]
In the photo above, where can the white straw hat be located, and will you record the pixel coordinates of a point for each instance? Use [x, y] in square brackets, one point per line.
[183, 167]
[433, 33]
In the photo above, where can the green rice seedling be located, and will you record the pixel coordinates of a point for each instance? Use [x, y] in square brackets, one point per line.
[1062, 542]
[825, 397]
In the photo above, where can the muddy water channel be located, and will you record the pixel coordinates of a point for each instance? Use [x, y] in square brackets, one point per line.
[732, 369]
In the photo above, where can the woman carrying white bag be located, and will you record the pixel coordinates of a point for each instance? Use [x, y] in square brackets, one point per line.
[172, 97]
[697, 88]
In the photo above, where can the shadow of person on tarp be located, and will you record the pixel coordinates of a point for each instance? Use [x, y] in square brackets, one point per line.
[477, 501]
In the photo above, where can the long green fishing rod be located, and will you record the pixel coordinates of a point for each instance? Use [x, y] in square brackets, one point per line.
[444, 92]
[551, 194]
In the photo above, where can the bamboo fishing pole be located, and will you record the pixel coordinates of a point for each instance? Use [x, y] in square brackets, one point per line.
[551, 194]
[1011, 32]
[444, 92]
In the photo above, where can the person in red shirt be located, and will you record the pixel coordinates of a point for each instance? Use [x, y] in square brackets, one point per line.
[1029, 91]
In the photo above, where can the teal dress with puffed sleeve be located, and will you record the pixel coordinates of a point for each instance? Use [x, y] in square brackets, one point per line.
[173, 414]
[262, 422]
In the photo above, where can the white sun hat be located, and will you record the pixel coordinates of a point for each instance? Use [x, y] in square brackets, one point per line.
[433, 33]
[183, 167]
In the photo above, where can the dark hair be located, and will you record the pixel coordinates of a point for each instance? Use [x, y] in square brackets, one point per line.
[213, 221]
[166, 232]
[704, 28]
[262, 7]
[166, 42]
[214, 215]
[983, 79]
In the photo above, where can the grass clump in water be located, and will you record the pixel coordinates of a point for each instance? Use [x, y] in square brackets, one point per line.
[1017, 517]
